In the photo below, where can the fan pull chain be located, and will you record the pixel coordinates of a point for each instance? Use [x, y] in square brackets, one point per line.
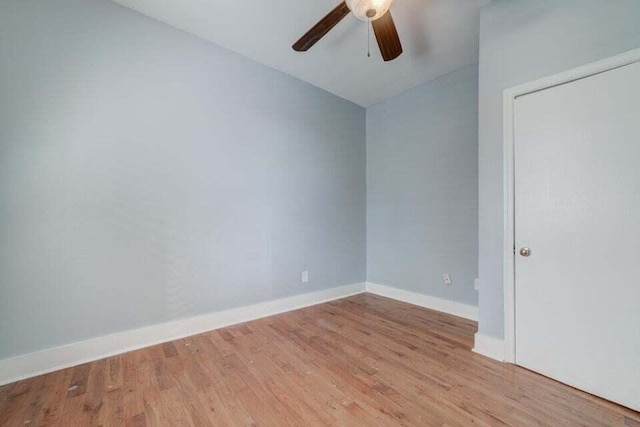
[369, 39]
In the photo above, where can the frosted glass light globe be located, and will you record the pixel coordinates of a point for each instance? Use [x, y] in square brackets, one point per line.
[368, 10]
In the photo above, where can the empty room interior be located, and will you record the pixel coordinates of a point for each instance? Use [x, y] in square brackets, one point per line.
[319, 213]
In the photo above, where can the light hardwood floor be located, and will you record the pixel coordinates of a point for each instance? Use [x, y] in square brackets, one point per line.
[363, 360]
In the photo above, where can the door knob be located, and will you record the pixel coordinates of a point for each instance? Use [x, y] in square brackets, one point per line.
[525, 251]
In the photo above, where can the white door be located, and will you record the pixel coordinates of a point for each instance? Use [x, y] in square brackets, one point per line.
[577, 208]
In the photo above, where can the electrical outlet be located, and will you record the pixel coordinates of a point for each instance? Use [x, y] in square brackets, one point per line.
[476, 284]
[447, 279]
[305, 277]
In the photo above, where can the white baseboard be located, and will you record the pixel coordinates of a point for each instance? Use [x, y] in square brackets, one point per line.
[53, 359]
[451, 307]
[489, 346]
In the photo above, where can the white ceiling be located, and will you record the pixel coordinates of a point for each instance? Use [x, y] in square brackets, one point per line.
[438, 36]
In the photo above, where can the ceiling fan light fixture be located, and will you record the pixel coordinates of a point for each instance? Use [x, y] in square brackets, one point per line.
[368, 10]
[376, 11]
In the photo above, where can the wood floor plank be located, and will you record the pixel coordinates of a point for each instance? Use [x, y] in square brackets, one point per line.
[53, 400]
[360, 361]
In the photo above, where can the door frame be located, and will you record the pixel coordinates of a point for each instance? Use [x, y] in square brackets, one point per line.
[509, 249]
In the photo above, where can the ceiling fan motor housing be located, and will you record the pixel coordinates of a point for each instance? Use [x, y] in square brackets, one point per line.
[368, 10]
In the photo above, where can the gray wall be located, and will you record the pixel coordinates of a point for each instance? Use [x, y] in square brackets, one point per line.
[146, 175]
[422, 194]
[520, 41]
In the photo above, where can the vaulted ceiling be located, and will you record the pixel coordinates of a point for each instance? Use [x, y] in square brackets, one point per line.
[438, 36]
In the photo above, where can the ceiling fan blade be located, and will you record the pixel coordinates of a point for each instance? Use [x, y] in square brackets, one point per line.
[321, 28]
[387, 37]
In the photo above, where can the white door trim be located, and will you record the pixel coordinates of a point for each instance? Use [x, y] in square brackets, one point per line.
[509, 98]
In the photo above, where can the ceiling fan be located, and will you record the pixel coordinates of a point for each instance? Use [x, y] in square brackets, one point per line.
[375, 11]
